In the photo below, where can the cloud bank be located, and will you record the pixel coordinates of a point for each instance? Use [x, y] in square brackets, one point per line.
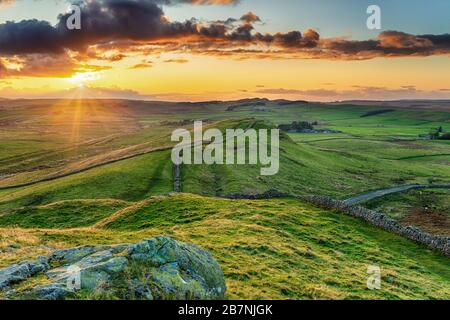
[141, 27]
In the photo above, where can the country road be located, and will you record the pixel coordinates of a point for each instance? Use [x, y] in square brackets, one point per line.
[382, 192]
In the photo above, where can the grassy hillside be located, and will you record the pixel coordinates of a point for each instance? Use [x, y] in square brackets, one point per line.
[339, 170]
[62, 214]
[48, 138]
[109, 172]
[128, 180]
[268, 249]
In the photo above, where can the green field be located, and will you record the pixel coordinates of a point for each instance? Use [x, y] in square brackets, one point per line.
[93, 172]
[428, 209]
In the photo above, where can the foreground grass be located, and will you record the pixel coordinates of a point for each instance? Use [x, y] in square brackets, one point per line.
[268, 249]
[63, 214]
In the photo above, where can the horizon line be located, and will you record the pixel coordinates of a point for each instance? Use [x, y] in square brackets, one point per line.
[229, 101]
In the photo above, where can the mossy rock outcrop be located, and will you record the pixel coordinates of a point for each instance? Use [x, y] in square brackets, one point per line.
[158, 268]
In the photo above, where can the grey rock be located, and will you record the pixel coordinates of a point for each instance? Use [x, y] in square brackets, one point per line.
[99, 275]
[170, 282]
[72, 255]
[10, 294]
[140, 290]
[158, 268]
[38, 266]
[22, 271]
[54, 291]
[181, 262]
[13, 274]
[95, 271]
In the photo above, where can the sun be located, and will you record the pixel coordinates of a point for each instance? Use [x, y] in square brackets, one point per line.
[80, 78]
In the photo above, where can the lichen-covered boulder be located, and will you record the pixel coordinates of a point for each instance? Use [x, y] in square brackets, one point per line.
[180, 268]
[72, 255]
[22, 271]
[12, 274]
[38, 266]
[54, 291]
[159, 268]
[93, 272]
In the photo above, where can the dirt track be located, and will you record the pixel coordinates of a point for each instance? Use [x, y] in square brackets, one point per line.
[382, 192]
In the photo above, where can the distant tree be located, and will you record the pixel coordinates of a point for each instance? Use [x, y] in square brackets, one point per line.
[296, 126]
[434, 135]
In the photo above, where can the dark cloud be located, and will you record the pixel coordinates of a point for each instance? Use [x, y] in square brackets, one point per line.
[140, 26]
[29, 36]
[389, 44]
[102, 20]
[118, 20]
[197, 2]
[165, 2]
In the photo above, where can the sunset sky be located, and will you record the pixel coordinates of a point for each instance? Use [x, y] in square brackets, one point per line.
[224, 49]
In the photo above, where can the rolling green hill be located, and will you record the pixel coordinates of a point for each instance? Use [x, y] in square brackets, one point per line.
[129, 180]
[268, 249]
[304, 169]
[338, 170]
[109, 175]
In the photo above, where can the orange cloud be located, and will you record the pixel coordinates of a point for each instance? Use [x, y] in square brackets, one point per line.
[43, 50]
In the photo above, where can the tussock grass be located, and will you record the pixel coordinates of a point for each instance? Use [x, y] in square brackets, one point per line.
[272, 249]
